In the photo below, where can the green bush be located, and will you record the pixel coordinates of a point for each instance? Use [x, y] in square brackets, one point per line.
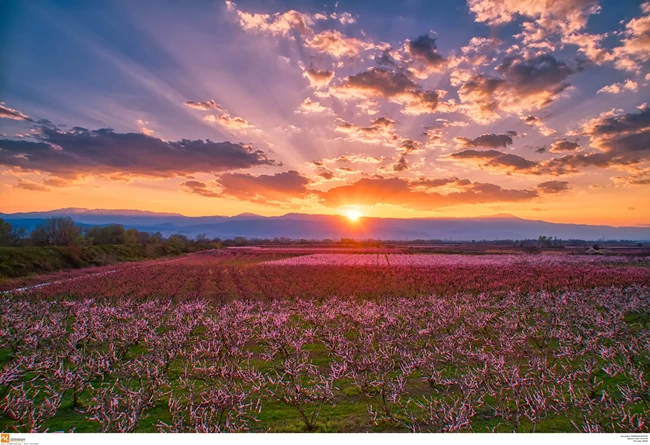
[22, 261]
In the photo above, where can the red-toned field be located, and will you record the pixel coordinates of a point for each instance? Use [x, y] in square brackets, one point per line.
[261, 274]
[298, 340]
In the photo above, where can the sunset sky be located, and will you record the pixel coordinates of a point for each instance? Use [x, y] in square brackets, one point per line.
[537, 108]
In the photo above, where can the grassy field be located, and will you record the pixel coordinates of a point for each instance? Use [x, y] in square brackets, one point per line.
[24, 261]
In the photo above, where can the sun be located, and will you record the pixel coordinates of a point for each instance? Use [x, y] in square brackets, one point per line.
[353, 215]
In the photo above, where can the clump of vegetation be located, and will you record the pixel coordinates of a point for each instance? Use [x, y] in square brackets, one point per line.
[59, 243]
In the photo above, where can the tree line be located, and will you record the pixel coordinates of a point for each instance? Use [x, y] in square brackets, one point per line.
[64, 232]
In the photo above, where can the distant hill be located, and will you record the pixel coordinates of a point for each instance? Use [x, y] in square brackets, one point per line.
[297, 225]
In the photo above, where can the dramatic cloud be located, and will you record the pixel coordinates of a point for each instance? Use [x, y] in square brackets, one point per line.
[409, 146]
[405, 148]
[311, 106]
[319, 78]
[419, 194]
[394, 87]
[509, 163]
[326, 174]
[574, 162]
[488, 140]
[32, 186]
[205, 106]
[427, 183]
[81, 152]
[143, 127]
[58, 182]
[447, 123]
[230, 122]
[635, 48]
[623, 141]
[201, 188]
[425, 58]
[494, 158]
[563, 146]
[539, 124]
[352, 158]
[325, 83]
[279, 24]
[293, 23]
[222, 117]
[616, 88]
[381, 131]
[335, 44]
[10, 113]
[479, 51]
[400, 192]
[266, 189]
[527, 84]
[551, 187]
[590, 45]
[400, 165]
[640, 177]
[549, 15]
[262, 189]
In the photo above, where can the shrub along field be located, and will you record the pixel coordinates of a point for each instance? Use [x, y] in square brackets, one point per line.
[24, 261]
[234, 342]
[60, 244]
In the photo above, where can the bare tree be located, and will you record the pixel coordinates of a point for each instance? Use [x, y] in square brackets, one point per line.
[56, 232]
[9, 236]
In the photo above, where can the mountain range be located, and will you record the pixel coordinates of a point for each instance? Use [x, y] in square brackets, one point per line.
[297, 225]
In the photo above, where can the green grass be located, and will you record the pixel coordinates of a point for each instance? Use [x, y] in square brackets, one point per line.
[18, 262]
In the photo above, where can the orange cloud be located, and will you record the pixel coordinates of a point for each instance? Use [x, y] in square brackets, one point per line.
[527, 84]
[381, 131]
[33, 186]
[510, 163]
[222, 117]
[265, 189]
[563, 146]
[10, 113]
[539, 124]
[425, 59]
[394, 87]
[335, 44]
[280, 24]
[400, 192]
[201, 188]
[616, 88]
[319, 78]
[204, 106]
[232, 123]
[562, 16]
[553, 187]
[488, 140]
[635, 48]
[311, 106]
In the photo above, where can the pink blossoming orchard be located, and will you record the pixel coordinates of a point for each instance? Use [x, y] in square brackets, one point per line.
[238, 340]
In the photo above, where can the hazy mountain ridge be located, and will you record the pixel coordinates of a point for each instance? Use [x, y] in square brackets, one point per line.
[297, 225]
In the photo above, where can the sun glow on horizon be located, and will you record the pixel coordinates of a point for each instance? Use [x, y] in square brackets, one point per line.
[353, 215]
